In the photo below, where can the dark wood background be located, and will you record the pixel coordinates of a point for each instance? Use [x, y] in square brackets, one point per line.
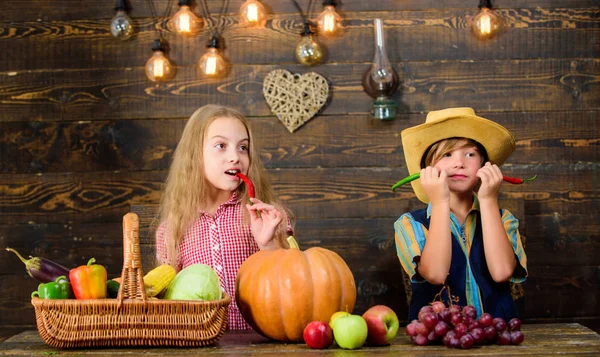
[84, 134]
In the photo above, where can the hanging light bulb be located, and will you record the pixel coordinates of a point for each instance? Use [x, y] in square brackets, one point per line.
[121, 25]
[252, 13]
[487, 23]
[158, 67]
[212, 64]
[381, 80]
[329, 21]
[308, 52]
[184, 21]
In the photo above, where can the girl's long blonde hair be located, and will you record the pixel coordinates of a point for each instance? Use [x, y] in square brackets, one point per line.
[185, 190]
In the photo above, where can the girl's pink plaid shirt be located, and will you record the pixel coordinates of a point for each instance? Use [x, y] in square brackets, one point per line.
[222, 242]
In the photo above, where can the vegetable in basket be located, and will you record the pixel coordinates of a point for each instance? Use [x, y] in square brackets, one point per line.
[89, 281]
[42, 269]
[196, 282]
[112, 289]
[58, 289]
[157, 279]
[132, 320]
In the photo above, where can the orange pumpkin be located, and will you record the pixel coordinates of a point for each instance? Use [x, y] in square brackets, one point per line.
[280, 291]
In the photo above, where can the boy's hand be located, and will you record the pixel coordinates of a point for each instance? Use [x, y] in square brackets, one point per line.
[435, 184]
[491, 180]
[263, 227]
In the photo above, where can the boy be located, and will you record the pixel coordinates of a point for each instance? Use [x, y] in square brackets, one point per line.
[462, 239]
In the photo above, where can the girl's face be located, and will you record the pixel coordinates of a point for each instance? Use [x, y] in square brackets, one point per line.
[461, 164]
[225, 152]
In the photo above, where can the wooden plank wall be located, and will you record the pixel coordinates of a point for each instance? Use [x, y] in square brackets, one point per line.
[84, 134]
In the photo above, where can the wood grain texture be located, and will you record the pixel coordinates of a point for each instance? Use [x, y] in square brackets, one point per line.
[9, 331]
[356, 240]
[325, 141]
[70, 244]
[73, 95]
[558, 339]
[310, 193]
[48, 10]
[551, 291]
[365, 244]
[411, 36]
[74, 243]
[84, 134]
[564, 339]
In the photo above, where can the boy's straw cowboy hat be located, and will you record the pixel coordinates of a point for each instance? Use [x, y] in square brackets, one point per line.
[498, 142]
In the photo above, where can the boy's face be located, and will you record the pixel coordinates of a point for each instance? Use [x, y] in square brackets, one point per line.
[225, 152]
[461, 164]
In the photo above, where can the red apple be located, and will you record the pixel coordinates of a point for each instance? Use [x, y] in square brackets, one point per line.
[318, 334]
[382, 324]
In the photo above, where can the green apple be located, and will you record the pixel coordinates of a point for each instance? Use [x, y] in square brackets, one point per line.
[350, 332]
[336, 315]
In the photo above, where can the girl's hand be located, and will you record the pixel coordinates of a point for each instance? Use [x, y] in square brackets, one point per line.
[491, 179]
[435, 185]
[263, 226]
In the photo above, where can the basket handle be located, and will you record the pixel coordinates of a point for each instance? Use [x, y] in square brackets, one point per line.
[132, 277]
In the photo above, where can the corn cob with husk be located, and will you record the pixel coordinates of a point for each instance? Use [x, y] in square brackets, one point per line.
[157, 279]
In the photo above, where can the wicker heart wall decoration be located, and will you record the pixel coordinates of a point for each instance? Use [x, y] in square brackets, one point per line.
[295, 98]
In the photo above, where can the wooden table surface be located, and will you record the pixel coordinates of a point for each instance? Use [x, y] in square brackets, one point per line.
[570, 339]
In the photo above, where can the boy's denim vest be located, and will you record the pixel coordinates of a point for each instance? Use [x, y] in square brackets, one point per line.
[496, 297]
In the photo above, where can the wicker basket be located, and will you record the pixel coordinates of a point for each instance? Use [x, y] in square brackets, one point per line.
[131, 319]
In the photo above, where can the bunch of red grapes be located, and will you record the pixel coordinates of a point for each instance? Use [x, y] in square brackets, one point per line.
[460, 328]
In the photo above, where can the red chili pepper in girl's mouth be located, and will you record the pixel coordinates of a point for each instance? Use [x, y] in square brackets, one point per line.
[248, 182]
[513, 180]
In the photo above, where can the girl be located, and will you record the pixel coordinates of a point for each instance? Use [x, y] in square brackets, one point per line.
[462, 239]
[204, 214]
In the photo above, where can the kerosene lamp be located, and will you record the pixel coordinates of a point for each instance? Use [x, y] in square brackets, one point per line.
[380, 81]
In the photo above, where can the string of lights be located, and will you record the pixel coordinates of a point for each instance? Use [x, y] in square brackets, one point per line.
[252, 13]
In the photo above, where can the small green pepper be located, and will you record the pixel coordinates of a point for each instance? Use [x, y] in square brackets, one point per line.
[112, 289]
[58, 289]
[406, 180]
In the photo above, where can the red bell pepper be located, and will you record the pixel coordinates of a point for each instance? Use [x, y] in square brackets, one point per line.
[89, 281]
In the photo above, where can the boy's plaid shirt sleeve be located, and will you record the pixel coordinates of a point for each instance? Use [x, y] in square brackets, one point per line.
[511, 226]
[410, 240]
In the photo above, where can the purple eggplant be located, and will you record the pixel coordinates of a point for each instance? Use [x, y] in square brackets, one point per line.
[42, 269]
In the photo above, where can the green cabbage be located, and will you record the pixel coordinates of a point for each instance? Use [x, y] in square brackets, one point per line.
[196, 282]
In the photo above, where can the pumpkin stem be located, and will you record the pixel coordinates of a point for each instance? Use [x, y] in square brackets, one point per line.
[293, 243]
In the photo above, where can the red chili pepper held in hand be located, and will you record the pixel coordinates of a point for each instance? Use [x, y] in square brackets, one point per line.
[513, 180]
[248, 182]
[517, 180]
